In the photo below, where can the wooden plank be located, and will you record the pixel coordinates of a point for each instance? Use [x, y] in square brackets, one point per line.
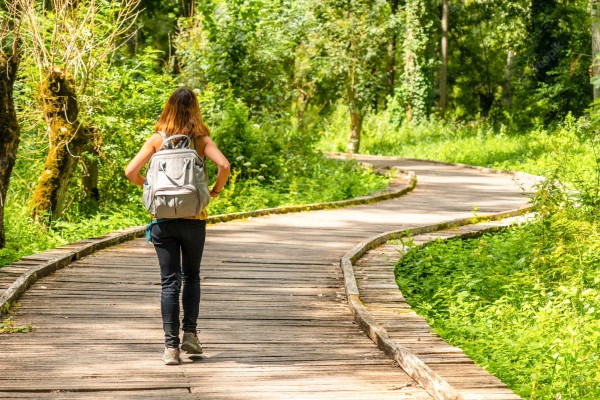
[274, 321]
[384, 301]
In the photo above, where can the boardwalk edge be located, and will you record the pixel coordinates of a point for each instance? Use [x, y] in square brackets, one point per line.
[62, 256]
[433, 383]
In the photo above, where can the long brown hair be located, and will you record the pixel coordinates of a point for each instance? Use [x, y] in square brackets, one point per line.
[182, 115]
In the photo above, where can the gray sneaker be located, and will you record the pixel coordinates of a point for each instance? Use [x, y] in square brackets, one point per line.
[190, 343]
[171, 356]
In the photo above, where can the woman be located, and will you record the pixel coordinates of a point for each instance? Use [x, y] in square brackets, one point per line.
[179, 243]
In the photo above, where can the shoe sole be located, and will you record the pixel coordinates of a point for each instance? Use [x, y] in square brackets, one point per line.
[189, 349]
[172, 362]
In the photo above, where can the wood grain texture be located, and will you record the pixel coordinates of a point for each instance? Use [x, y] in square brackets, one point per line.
[274, 318]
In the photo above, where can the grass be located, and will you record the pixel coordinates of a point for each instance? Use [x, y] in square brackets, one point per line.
[8, 326]
[538, 151]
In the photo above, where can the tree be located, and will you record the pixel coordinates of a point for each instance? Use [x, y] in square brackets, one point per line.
[10, 56]
[351, 44]
[413, 93]
[69, 41]
[247, 46]
[444, 66]
[595, 7]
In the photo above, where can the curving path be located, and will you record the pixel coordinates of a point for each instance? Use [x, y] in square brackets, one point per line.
[274, 319]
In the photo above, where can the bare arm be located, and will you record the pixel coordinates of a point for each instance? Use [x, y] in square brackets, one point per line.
[132, 171]
[212, 152]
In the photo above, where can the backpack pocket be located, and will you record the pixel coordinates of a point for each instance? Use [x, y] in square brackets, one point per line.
[200, 182]
[179, 203]
[147, 197]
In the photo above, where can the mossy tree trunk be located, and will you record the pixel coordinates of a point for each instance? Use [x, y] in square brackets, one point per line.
[67, 140]
[9, 130]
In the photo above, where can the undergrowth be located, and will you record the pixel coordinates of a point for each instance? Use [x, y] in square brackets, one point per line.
[524, 304]
[538, 151]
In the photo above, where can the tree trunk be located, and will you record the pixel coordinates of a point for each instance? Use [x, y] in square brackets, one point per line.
[510, 60]
[595, 43]
[353, 145]
[302, 101]
[444, 67]
[9, 131]
[67, 139]
[356, 119]
[391, 54]
[409, 70]
[89, 180]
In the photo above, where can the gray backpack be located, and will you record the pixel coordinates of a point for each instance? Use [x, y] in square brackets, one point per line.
[176, 180]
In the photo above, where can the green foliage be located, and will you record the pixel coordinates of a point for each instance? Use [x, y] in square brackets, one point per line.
[157, 25]
[565, 148]
[243, 46]
[274, 164]
[8, 326]
[523, 304]
[349, 41]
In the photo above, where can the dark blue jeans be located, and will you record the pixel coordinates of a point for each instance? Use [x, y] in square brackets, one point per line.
[179, 244]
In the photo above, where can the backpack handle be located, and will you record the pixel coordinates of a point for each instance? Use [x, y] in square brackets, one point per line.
[162, 168]
[168, 140]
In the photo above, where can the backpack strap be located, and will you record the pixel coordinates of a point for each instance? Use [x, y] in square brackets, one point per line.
[165, 143]
[193, 146]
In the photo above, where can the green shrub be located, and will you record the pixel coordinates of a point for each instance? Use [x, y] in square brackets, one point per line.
[273, 163]
[524, 304]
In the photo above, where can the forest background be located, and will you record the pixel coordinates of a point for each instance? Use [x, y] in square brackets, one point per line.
[503, 83]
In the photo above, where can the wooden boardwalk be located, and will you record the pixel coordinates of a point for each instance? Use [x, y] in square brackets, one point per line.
[379, 292]
[274, 319]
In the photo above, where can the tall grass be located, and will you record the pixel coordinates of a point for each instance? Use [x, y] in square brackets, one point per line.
[538, 151]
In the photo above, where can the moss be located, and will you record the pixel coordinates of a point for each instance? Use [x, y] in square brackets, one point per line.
[58, 94]
[67, 138]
